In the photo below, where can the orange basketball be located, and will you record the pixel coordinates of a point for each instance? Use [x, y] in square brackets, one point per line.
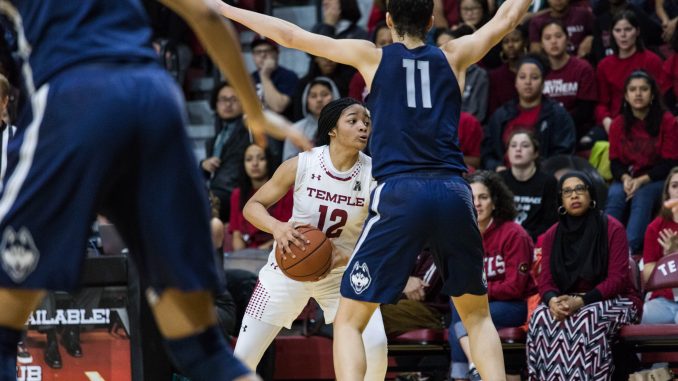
[311, 263]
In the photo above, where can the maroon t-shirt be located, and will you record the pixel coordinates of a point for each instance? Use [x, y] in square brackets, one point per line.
[639, 150]
[253, 237]
[573, 81]
[502, 87]
[470, 135]
[357, 89]
[578, 22]
[652, 250]
[611, 74]
[669, 77]
[508, 258]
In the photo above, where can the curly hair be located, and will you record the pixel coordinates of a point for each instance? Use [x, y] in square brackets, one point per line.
[502, 197]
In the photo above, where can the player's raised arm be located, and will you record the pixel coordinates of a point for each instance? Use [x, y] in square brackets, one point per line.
[361, 54]
[218, 37]
[468, 50]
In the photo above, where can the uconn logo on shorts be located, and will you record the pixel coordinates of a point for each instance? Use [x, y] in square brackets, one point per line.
[360, 277]
[18, 253]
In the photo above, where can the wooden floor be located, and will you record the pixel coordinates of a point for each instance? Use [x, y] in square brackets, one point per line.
[105, 358]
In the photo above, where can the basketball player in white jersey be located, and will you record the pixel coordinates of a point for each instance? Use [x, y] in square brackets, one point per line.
[332, 185]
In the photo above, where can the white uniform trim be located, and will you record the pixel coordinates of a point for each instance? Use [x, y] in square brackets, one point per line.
[27, 152]
[374, 207]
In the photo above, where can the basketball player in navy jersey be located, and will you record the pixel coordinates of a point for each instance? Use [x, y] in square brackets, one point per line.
[104, 131]
[421, 198]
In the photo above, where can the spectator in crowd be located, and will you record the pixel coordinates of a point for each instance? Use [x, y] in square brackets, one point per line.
[225, 150]
[531, 111]
[340, 20]
[629, 54]
[255, 172]
[667, 12]
[643, 149]
[669, 77]
[474, 97]
[508, 257]
[318, 93]
[571, 80]
[475, 13]
[470, 138]
[586, 291]
[217, 227]
[661, 239]
[340, 75]
[503, 78]
[422, 305]
[604, 12]
[577, 22]
[381, 36]
[534, 192]
[275, 84]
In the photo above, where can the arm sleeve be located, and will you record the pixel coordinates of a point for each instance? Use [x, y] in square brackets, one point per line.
[235, 219]
[517, 251]
[545, 281]
[602, 109]
[618, 264]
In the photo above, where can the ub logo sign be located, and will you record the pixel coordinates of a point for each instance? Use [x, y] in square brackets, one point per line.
[360, 277]
[18, 253]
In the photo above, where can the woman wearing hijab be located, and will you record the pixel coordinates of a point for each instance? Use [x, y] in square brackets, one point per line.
[586, 291]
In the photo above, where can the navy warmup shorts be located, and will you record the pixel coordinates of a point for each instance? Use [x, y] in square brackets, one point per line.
[105, 138]
[407, 213]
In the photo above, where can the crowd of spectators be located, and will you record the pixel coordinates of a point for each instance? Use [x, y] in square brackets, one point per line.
[575, 74]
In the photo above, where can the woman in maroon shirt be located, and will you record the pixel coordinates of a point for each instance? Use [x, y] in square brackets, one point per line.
[586, 291]
[643, 149]
[255, 172]
[629, 55]
[508, 257]
[503, 78]
[661, 239]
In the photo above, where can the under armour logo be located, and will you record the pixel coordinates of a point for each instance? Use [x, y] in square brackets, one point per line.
[313, 176]
[357, 186]
[275, 267]
[244, 328]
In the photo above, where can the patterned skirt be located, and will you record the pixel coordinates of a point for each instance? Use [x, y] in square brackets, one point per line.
[580, 347]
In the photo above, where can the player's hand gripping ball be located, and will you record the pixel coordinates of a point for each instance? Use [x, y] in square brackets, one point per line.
[310, 264]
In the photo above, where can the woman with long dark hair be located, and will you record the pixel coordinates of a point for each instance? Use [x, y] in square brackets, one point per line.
[507, 256]
[586, 291]
[643, 149]
[629, 55]
[255, 171]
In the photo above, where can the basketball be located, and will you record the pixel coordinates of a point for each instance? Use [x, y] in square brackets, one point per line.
[311, 263]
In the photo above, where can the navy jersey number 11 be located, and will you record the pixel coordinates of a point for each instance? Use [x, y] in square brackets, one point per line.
[411, 66]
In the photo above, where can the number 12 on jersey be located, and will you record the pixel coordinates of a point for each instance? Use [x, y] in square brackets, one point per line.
[410, 67]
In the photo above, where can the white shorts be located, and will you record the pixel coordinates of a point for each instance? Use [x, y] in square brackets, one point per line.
[278, 300]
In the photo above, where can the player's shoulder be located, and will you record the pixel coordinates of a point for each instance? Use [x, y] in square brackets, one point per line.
[365, 159]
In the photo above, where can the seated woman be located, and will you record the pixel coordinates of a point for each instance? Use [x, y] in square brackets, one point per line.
[531, 111]
[571, 80]
[586, 291]
[503, 78]
[643, 149]
[318, 92]
[255, 172]
[629, 55]
[508, 258]
[661, 239]
[534, 192]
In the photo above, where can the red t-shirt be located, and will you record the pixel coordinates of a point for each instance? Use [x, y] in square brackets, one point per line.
[253, 237]
[652, 250]
[612, 73]
[573, 81]
[578, 22]
[470, 134]
[525, 120]
[502, 87]
[357, 89]
[638, 149]
[669, 76]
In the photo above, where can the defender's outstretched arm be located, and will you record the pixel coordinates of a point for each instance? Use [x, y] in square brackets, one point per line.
[218, 37]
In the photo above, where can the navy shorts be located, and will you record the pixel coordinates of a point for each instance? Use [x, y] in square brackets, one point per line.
[105, 138]
[407, 213]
